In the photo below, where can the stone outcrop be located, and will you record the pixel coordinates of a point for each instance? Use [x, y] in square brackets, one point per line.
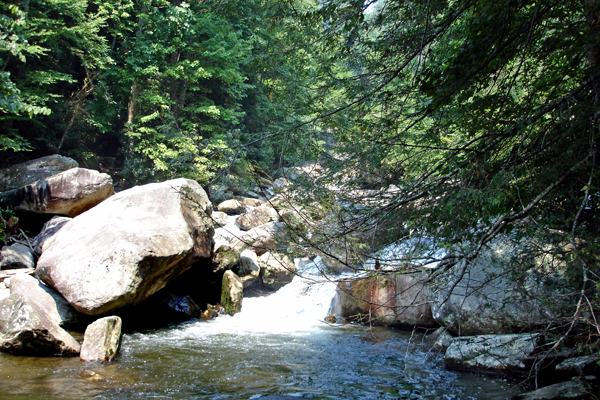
[48, 300]
[483, 298]
[256, 217]
[16, 256]
[500, 354]
[27, 173]
[391, 300]
[25, 329]
[48, 230]
[102, 340]
[130, 246]
[69, 193]
[231, 207]
[232, 293]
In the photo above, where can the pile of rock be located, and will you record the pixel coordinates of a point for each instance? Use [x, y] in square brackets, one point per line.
[103, 254]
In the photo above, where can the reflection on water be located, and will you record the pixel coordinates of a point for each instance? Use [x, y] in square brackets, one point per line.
[277, 345]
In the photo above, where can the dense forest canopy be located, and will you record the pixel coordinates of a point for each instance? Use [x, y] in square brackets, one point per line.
[456, 120]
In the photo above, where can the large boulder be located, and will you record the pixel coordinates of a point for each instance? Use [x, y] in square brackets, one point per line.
[47, 299]
[69, 193]
[16, 256]
[26, 329]
[256, 217]
[511, 354]
[398, 300]
[27, 173]
[102, 340]
[130, 246]
[485, 297]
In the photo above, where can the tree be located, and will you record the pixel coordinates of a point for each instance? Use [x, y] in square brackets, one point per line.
[483, 116]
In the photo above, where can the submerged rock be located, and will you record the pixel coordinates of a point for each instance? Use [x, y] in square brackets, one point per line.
[69, 193]
[26, 329]
[102, 340]
[129, 247]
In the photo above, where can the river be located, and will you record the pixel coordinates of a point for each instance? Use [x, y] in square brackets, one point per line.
[277, 344]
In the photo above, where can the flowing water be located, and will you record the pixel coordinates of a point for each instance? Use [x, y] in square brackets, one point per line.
[277, 345]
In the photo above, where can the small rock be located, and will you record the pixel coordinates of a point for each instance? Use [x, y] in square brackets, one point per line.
[276, 270]
[578, 366]
[102, 340]
[232, 293]
[220, 218]
[231, 207]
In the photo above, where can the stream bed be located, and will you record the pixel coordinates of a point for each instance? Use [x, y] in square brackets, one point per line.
[277, 345]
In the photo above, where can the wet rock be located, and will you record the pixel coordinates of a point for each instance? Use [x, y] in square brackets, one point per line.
[232, 293]
[102, 340]
[256, 217]
[398, 300]
[26, 173]
[575, 389]
[16, 256]
[47, 299]
[439, 340]
[26, 329]
[276, 270]
[48, 230]
[231, 207]
[129, 247]
[509, 354]
[183, 304]
[220, 218]
[579, 366]
[69, 193]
